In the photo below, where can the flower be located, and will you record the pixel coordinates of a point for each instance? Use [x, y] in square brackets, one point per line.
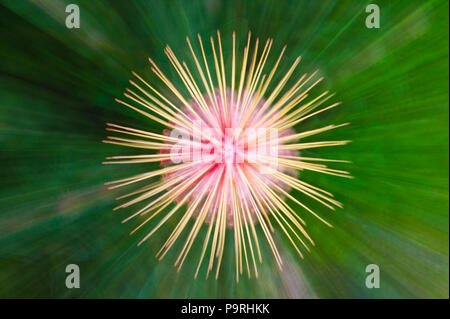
[230, 153]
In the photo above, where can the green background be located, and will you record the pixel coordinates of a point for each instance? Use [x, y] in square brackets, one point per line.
[57, 87]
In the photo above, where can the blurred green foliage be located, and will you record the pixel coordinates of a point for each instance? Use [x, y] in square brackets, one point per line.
[57, 87]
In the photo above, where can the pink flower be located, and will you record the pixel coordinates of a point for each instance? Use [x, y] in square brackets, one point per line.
[230, 153]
